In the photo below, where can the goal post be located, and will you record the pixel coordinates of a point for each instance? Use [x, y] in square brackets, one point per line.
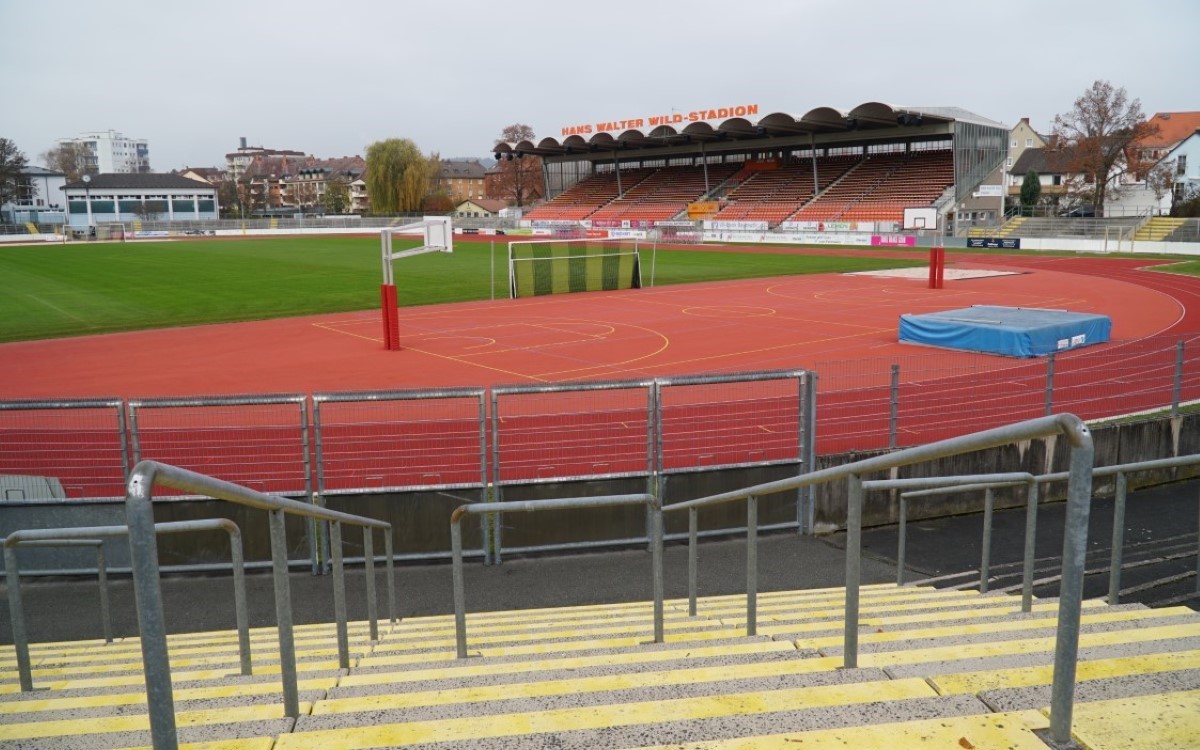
[112, 231]
[437, 234]
[539, 267]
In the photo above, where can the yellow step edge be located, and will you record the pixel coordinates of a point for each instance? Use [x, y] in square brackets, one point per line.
[183, 694]
[140, 722]
[1023, 646]
[983, 628]
[605, 683]
[249, 743]
[393, 645]
[669, 618]
[475, 668]
[1091, 669]
[1147, 722]
[260, 650]
[603, 717]
[836, 596]
[907, 600]
[1003, 731]
[765, 626]
[208, 666]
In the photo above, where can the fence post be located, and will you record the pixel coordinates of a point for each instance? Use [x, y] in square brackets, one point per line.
[102, 579]
[985, 564]
[1032, 491]
[854, 506]
[752, 565]
[460, 600]
[1177, 386]
[369, 570]
[902, 533]
[283, 614]
[656, 556]
[1049, 384]
[1118, 539]
[894, 405]
[693, 522]
[806, 513]
[16, 614]
[339, 594]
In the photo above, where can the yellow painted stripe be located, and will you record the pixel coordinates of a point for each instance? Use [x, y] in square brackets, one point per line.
[249, 743]
[1148, 722]
[543, 648]
[836, 595]
[473, 668]
[885, 622]
[791, 611]
[185, 694]
[984, 628]
[140, 722]
[213, 666]
[600, 717]
[1093, 669]
[57, 668]
[1006, 731]
[265, 650]
[670, 619]
[575, 686]
[645, 631]
[1024, 646]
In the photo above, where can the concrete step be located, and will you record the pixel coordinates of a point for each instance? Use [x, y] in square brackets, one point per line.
[1148, 722]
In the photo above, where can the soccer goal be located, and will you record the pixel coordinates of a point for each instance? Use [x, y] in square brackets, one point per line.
[111, 232]
[537, 267]
[437, 234]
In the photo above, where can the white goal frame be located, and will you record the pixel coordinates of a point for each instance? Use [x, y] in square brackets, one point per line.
[438, 233]
[512, 277]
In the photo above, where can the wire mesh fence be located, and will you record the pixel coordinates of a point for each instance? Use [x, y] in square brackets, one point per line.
[400, 440]
[260, 442]
[62, 450]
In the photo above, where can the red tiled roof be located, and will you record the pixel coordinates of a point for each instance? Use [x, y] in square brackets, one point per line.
[1173, 127]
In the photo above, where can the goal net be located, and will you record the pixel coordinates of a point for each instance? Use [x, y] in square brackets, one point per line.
[110, 232]
[537, 267]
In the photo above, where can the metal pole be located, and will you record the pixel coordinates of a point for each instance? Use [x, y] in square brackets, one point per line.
[143, 555]
[894, 418]
[102, 580]
[656, 563]
[493, 281]
[989, 501]
[1178, 384]
[369, 571]
[1066, 651]
[495, 521]
[460, 605]
[283, 614]
[1032, 490]
[693, 522]
[389, 553]
[1118, 539]
[1049, 384]
[317, 532]
[1198, 560]
[854, 505]
[240, 609]
[810, 450]
[902, 533]
[752, 565]
[16, 616]
[339, 594]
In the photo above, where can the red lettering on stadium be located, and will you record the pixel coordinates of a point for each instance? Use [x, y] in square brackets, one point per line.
[675, 118]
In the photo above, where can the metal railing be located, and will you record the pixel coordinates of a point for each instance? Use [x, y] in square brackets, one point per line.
[1082, 454]
[95, 535]
[143, 550]
[1032, 485]
[529, 506]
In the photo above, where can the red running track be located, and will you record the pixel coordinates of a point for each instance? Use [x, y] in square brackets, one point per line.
[783, 323]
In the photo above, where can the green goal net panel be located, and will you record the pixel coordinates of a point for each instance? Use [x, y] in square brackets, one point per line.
[540, 267]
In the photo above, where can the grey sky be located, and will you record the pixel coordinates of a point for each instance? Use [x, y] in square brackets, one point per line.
[329, 78]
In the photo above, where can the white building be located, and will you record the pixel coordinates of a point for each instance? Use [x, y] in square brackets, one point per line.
[1184, 161]
[127, 198]
[110, 152]
[40, 199]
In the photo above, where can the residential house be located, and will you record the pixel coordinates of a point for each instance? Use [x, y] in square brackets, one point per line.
[39, 198]
[480, 208]
[462, 179]
[111, 152]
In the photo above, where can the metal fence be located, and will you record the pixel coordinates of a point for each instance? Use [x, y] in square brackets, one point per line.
[62, 449]
[879, 404]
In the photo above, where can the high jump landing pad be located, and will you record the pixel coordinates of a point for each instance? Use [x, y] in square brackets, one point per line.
[1008, 331]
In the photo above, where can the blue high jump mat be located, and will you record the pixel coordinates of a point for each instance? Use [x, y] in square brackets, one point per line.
[1008, 331]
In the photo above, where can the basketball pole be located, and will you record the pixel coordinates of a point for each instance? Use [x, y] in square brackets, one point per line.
[438, 237]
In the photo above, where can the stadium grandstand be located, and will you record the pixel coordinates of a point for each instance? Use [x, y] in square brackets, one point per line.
[866, 164]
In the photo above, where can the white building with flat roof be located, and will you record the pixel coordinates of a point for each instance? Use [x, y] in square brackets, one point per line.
[110, 152]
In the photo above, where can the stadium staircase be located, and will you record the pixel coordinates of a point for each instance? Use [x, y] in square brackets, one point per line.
[1157, 229]
[1005, 230]
[936, 669]
[1081, 228]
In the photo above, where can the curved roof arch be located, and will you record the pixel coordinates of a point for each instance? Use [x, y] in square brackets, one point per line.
[872, 115]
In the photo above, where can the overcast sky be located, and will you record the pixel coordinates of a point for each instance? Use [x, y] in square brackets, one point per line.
[328, 78]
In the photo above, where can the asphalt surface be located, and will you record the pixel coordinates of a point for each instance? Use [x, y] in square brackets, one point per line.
[1160, 560]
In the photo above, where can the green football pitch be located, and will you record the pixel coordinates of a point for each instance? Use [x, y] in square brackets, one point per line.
[82, 289]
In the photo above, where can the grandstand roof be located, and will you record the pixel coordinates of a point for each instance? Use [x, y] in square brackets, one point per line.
[868, 116]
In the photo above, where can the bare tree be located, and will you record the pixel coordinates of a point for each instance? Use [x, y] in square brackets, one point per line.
[1161, 178]
[337, 195]
[72, 159]
[520, 179]
[1098, 132]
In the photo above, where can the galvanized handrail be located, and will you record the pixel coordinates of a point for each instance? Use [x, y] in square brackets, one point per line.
[949, 484]
[143, 552]
[1074, 538]
[94, 536]
[1031, 505]
[562, 503]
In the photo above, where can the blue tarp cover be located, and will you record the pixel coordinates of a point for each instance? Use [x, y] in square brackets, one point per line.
[1011, 331]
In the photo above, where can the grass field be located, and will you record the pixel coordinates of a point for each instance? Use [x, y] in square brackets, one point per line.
[72, 290]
